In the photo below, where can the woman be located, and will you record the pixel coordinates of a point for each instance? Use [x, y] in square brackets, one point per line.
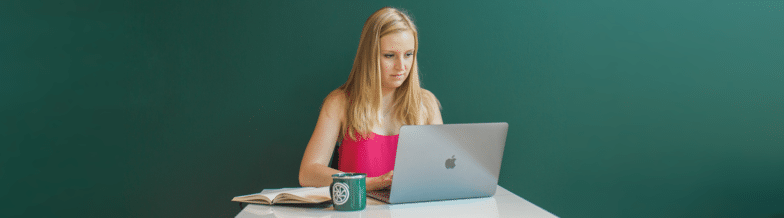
[382, 94]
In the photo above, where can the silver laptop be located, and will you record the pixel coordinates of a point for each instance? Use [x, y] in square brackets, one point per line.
[442, 162]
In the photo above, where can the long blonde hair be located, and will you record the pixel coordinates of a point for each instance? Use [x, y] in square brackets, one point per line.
[412, 104]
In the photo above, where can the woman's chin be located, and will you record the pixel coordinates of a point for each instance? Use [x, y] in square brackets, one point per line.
[393, 85]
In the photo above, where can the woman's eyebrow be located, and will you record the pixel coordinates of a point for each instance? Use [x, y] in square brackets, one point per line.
[395, 50]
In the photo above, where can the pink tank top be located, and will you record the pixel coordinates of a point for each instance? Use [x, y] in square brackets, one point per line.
[373, 156]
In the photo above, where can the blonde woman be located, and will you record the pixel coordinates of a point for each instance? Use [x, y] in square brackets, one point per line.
[365, 113]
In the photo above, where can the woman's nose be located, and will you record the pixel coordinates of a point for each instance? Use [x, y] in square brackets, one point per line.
[400, 64]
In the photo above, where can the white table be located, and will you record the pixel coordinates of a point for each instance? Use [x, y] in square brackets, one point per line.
[502, 204]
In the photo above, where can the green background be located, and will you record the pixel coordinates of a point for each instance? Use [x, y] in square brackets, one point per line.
[171, 108]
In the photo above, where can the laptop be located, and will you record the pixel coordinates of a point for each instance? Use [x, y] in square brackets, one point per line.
[443, 162]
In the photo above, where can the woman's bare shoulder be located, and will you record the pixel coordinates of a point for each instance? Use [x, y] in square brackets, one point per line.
[335, 103]
[427, 92]
[336, 96]
[430, 99]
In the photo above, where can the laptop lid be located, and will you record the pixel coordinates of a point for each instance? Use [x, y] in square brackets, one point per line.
[451, 161]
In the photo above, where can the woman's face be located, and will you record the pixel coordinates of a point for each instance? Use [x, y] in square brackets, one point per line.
[397, 56]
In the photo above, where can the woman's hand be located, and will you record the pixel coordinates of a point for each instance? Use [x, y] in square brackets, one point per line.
[379, 182]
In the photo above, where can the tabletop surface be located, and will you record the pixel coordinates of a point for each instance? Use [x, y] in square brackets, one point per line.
[502, 204]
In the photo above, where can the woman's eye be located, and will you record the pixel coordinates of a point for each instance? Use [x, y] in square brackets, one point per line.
[409, 54]
[389, 55]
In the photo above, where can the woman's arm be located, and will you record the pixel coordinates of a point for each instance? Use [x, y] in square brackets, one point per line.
[313, 170]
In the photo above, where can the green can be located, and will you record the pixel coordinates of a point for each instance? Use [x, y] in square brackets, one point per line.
[348, 191]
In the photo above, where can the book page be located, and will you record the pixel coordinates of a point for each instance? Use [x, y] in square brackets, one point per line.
[272, 193]
[252, 198]
[305, 191]
[266, 196]
[308, 195]
[304, 195]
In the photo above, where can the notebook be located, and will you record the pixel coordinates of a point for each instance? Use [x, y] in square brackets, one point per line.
[442, 162]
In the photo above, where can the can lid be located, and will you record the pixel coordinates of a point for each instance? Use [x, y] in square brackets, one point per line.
[349, 175]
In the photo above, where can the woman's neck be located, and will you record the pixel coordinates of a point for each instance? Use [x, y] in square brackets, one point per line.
[387, 96]
[387, 91]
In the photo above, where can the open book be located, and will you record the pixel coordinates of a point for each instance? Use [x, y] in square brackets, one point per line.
[304, 195]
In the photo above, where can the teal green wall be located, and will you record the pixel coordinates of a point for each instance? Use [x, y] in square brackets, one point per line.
[170, 108]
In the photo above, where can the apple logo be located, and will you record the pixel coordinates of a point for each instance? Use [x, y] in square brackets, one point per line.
[450, 163]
